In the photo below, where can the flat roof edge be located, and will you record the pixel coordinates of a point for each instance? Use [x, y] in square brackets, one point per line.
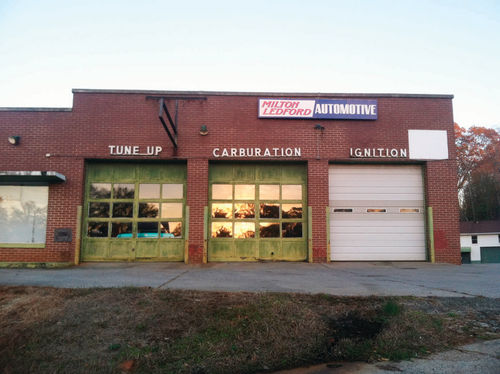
[34, 109]
[271, 94]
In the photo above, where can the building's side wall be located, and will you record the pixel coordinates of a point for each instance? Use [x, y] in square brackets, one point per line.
[102, 119]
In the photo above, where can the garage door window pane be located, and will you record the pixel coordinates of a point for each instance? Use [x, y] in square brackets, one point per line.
[123, 210]
[173, 191]
[244, 192]
[97, 229]
[171, 229]
[269, 211]
[291, 192]
[222, 191]
[171, 210]
[244, 230]
[149, 191]
[222, 230]
[100, 190]
[121, 230]
[222, 210]
[269, 230]
[292, 229]
[291, 211]
[244, 211]
[147, 229]
[99, 210]
[23, 214]
[269, 192]
[123, 191]
[149, 210]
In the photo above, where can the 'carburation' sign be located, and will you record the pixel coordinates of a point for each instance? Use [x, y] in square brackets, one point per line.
[356, 109]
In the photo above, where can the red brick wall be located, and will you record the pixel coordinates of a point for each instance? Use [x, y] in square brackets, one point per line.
[101, 119]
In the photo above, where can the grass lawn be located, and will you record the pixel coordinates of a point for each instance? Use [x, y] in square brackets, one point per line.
[144, 330]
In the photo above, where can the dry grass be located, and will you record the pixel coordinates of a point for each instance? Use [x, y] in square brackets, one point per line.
[46, 330]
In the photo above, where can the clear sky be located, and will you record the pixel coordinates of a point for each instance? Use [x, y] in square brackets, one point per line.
[48, 47]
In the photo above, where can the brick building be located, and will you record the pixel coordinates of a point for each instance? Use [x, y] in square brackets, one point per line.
[218, 176]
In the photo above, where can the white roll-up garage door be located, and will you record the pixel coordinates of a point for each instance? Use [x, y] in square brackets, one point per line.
[377, 213]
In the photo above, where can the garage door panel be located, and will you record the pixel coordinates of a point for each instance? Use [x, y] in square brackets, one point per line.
[357, 190]
[375, 180]
[369, 169]
[381, 256]
[420, 230]
[382, 196]
[382, 240]
[393, 235]
[384, 220]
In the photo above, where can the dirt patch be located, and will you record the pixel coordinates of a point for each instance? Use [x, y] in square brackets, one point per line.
[143, 330]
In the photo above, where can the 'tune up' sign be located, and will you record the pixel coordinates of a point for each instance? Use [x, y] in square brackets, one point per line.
[318, 108]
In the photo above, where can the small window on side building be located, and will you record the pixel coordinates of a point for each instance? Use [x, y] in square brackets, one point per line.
[474, 239]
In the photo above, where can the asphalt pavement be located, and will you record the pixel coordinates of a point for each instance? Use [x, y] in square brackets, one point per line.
[341, 278]
[478, 358]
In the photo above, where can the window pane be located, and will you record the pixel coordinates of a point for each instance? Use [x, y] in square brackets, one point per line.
[269, 192]
[222, 230]
[171, 229]
[121, 229]
[100, 190]
[222, 191]
[147, 229]
[292, 229]
[23, 214]
[173, 191]
[123, 191]
[291, 192]
[244, 230]
[171, 210]
[376, 210]
[244, 192]
[269, 210]
[244, 211]
[291, 211]
[100, 210]
[123, 210]
[221, 210]
[149, 191]
[269, 230]
[149, 210]
[97, 229]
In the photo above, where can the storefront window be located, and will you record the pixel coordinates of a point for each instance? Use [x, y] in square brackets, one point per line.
[222, 230]
[244, 192]
[269, 230]
[100, 190]
[222, 210]
[291, 211]
[99, 210]
[171, 229]
[173, 191]
[23, 214]
[222, 191]
[121, 230]
[269, 192]
[123, 191]
[149, 210]
[149, 191]
[243, 230]
[97, 229]
[291, 192]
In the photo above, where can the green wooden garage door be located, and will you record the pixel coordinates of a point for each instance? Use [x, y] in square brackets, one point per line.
[134, 212]
[490, 255]
[257, 212]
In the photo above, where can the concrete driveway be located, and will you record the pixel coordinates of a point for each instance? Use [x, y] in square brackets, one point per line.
[351, 279]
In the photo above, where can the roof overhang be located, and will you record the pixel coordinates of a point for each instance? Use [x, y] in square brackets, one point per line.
[31, 178]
